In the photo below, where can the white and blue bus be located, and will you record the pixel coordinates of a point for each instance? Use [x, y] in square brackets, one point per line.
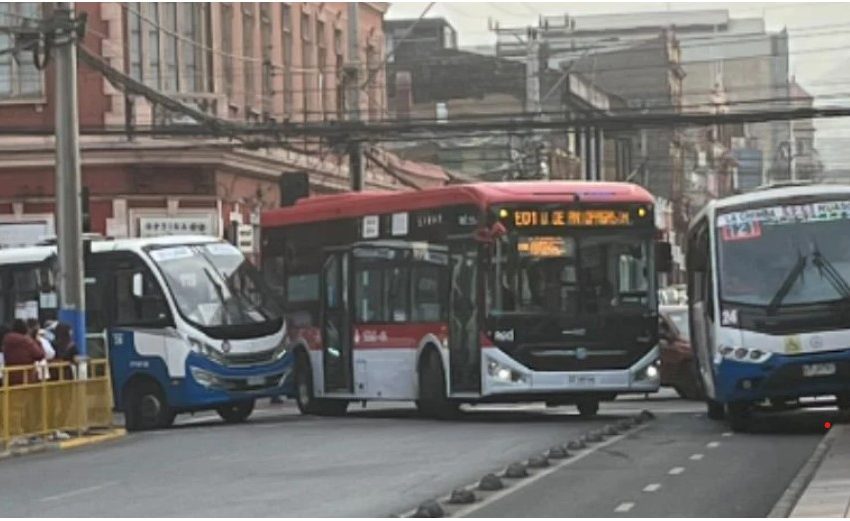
[186, 322]
[769, 297]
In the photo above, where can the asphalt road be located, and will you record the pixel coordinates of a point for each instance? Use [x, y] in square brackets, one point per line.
[385, 460]
[681, 465]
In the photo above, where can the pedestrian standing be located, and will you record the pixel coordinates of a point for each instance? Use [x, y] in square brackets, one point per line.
[21, 350]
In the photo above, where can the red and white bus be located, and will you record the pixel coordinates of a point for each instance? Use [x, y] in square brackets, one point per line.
[532, 291]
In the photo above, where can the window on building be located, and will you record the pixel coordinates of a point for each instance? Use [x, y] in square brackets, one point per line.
[227, 48]
[248, 24]
[306, 64]
[266, 42]
[339, 49]
[286, 29]
[19, 78]
[192, 28]
[321, 65]
[373, 89]
[154, 75]
[134, 40]
[170, 79]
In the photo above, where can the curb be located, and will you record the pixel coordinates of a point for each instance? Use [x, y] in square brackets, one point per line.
[50, 446]
[496, 485]
[789, 499]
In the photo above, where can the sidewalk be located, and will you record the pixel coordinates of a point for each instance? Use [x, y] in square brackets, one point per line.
[828, 493]
[44, 445]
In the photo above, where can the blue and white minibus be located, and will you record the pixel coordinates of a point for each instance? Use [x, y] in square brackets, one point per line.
[186, 322]
[769, 297]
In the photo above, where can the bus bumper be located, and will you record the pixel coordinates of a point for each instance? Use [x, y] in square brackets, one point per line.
[502, 375]
[781, 376]
[209, 384]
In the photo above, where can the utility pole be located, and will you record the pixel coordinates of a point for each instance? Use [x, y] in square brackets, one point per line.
[355, 148]
[68, 182]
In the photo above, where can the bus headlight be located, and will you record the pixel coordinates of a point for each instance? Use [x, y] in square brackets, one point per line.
[503, 374]
[280, 351]
[742, 354]
[206, 378]
[207, 350]
[648, 373]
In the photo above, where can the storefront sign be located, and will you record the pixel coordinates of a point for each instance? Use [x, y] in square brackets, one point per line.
[18, 234]
[160, 226]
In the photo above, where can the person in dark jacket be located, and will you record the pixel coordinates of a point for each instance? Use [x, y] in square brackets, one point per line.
[19, 349]
[66, 349]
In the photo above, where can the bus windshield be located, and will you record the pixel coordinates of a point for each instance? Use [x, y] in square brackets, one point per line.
[214, 285]
[592, 272]
[785, 255]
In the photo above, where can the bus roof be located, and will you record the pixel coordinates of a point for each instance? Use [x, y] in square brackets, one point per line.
[339, 206]
[772, 193]
[35, 254]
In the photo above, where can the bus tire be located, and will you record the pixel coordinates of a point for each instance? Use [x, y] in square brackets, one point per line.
[587, 407]
[305, 396]
[145, 407]
[714, 410]
[738, 415]
[236, 412]
[433, 401]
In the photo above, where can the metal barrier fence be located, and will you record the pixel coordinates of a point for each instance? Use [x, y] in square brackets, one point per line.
[40, 400]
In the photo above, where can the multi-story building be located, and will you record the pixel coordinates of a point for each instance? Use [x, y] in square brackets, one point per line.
[430, 78]
[247, 62]
[805, 162]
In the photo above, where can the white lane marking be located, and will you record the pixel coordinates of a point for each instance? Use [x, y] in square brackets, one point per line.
[540, 475]
[696, 457]
[624, 507]
[727, 434]
[78, 491]
[675, 471]
[713, 444]
[652, 487]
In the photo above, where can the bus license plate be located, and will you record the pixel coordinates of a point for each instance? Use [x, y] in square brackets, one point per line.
[811, 370]
[582, 379]
[256, 380]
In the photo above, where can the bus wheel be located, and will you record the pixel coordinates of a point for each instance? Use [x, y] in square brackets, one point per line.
[587, 407]
[236, 412]
[305, 395]
[715, 410]
[433, 401]
[145, 407]
[739, 415]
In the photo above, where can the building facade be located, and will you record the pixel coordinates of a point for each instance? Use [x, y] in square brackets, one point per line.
[247, 62]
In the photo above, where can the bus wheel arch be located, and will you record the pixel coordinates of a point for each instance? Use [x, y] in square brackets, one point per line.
[305, 394]
[433, 397]
[145, 404]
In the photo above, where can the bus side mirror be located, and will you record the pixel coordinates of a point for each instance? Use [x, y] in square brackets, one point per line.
[663, 257]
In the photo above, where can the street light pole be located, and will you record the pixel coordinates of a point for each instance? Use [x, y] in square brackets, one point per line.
[68, 179]
[355, 148]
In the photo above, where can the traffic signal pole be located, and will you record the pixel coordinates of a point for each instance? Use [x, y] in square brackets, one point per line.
[68, 179]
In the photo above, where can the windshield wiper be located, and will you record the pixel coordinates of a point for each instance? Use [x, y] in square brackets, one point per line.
[828, 271]
[788, 283]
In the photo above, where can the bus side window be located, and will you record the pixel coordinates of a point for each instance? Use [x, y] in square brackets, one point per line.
[138, 298]
[428, 288]
[368, 293]
[397, 287]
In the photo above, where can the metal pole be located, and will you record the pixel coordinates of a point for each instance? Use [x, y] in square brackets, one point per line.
[355, 148]
[68, 182]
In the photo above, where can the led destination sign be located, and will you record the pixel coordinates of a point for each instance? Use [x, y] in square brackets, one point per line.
[556, 218]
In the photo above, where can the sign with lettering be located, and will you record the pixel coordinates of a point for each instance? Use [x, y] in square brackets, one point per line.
[161, 226]
[578, 218]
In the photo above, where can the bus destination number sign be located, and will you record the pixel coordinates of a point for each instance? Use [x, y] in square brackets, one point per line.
[556, 218]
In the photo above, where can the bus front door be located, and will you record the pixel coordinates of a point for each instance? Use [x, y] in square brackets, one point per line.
[464, 348]
[336, 323]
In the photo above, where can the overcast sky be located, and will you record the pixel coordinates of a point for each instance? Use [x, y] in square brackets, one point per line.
[819, 41]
